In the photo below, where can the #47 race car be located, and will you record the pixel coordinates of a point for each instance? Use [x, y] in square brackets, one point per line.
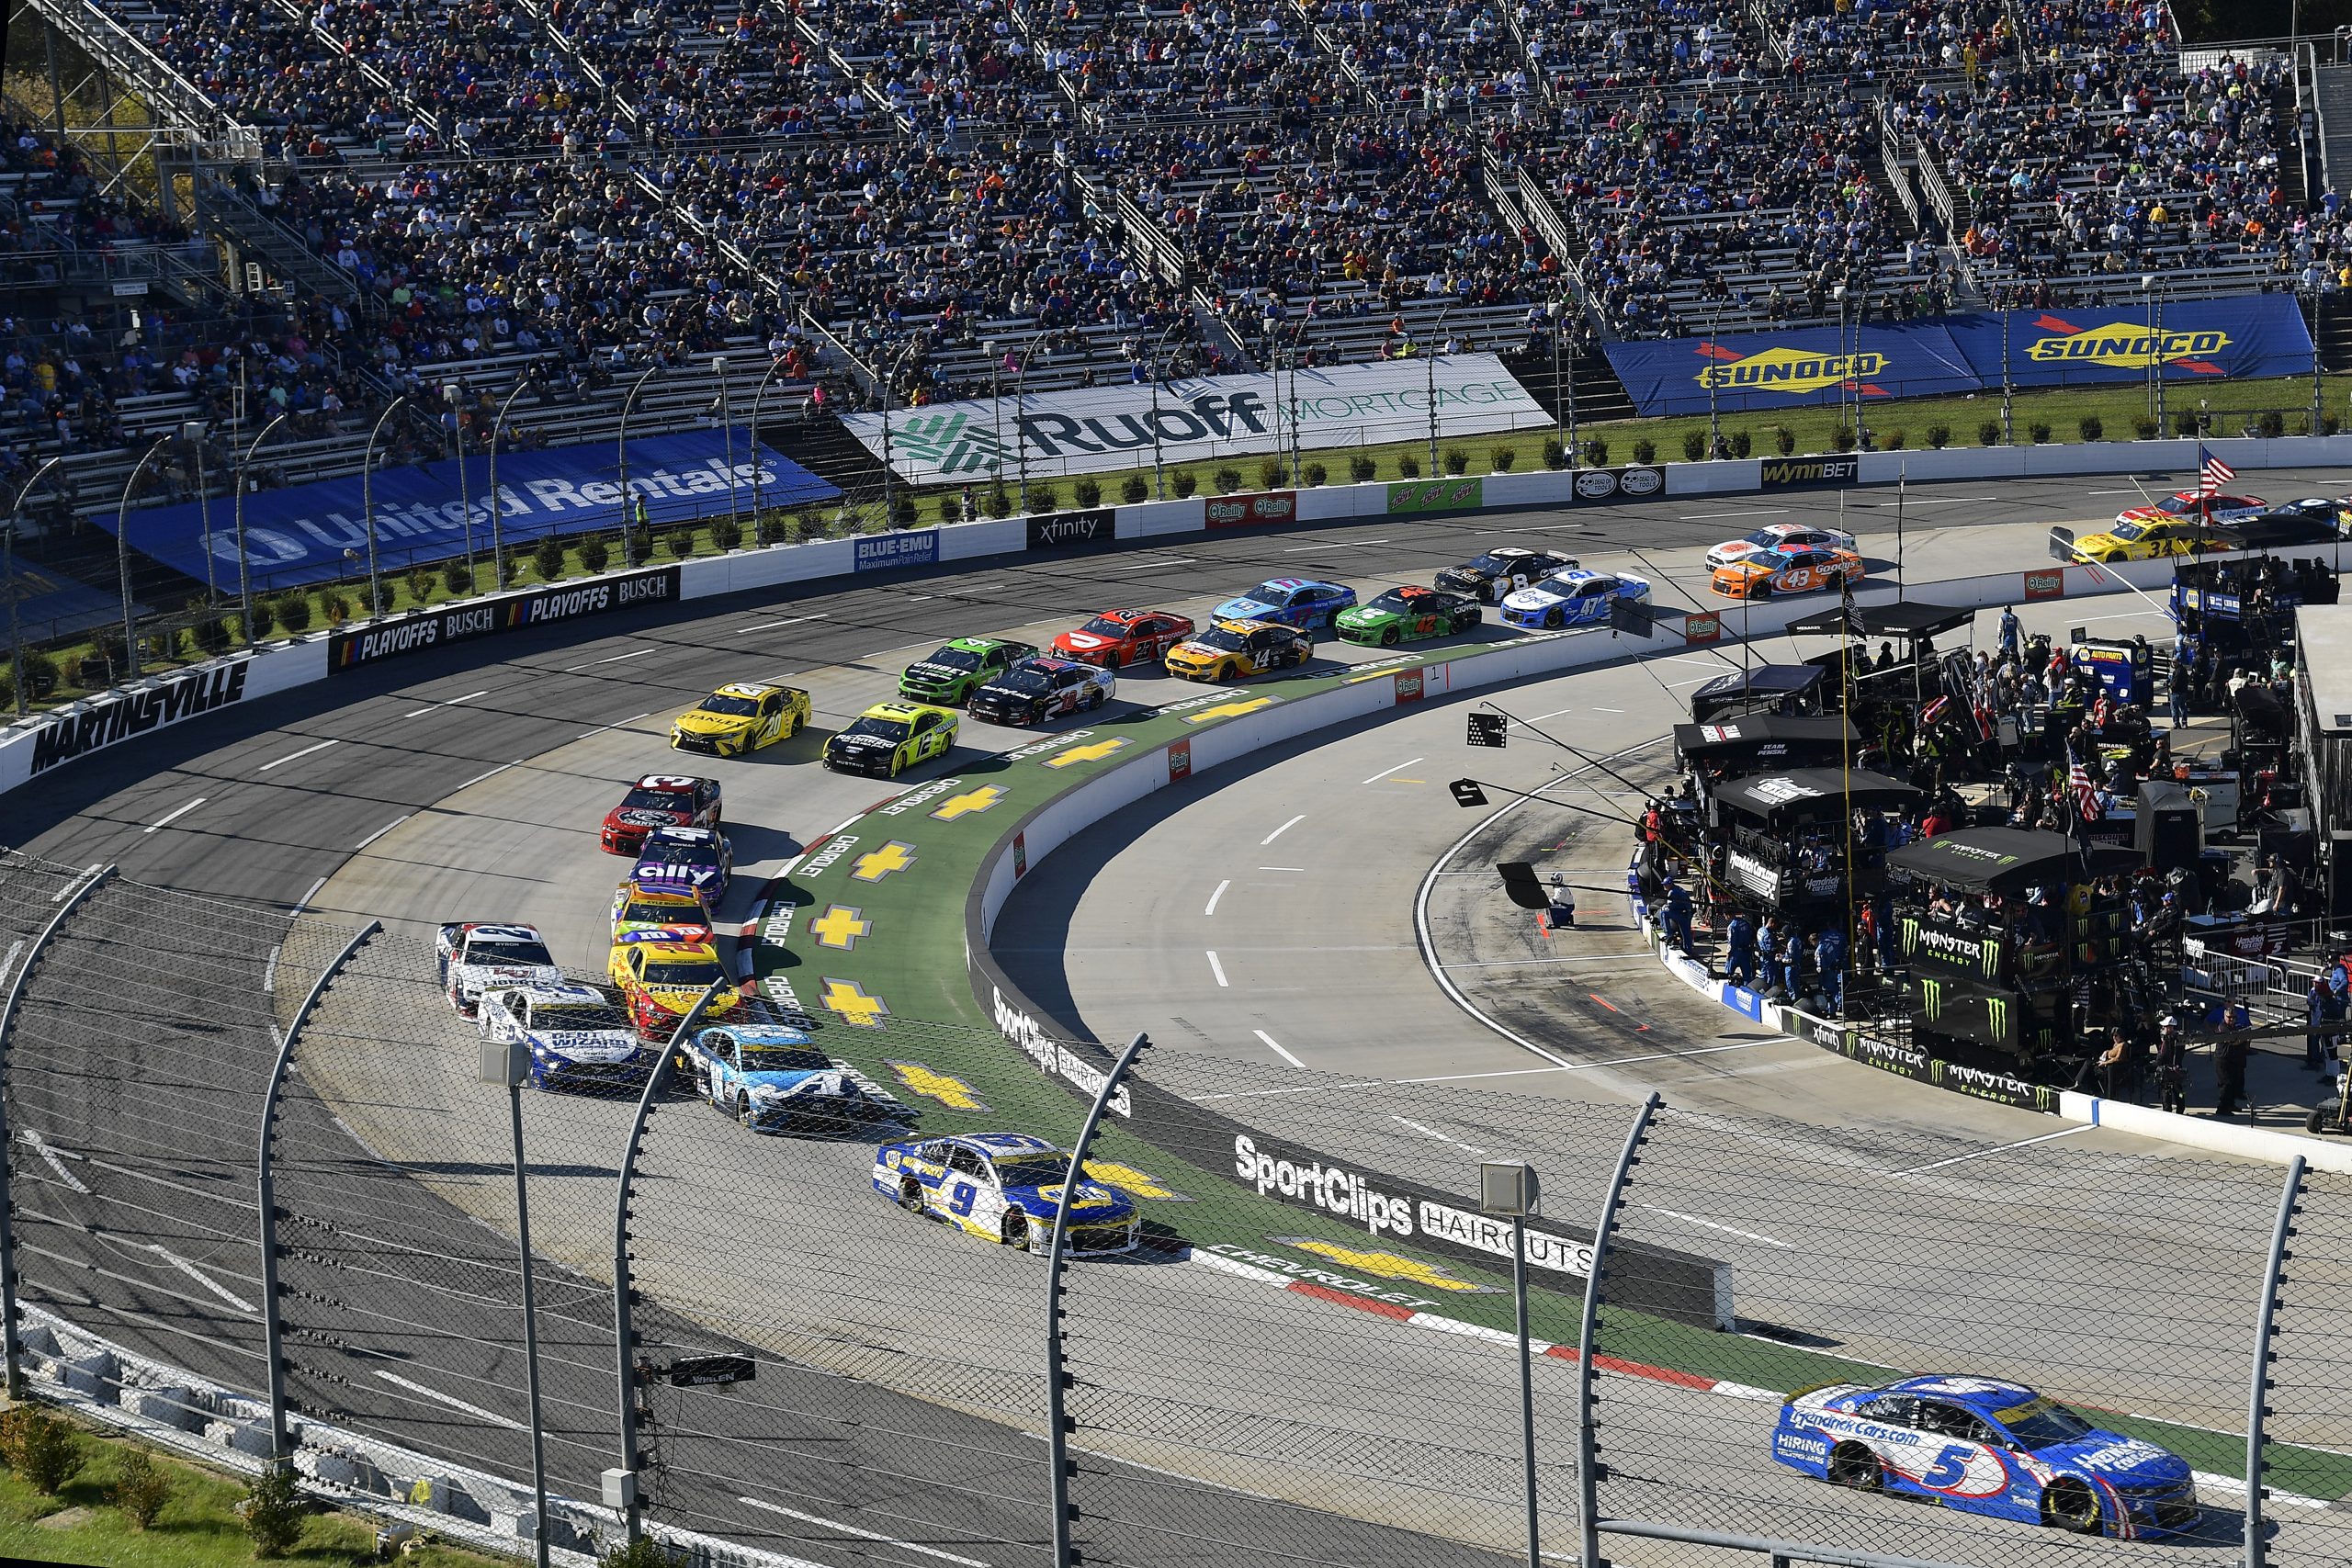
[1987, 1446]
[1571, 598]
[1005, 1187]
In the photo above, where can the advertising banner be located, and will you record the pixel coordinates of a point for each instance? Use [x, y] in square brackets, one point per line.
[1098, 429]
[502, 612]
[1611, 484]
[2203, 339]
[1811, 473]
[1092, 530]
[880, 552]
[1435, 495]
[1251, 511]
[1825, 364]
[427, 512]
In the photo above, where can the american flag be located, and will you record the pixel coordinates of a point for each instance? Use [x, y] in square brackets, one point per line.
[2211, 473]
[2078, 779]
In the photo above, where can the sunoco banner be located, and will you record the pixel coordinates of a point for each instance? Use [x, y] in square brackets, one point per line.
[2252, 336]
[1098, 429]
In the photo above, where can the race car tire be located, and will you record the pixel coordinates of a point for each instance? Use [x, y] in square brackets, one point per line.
[1464, 624]
[1225, 673]
[1095, 699]
[1388, 637]
[743, 1109]
[1761, 589]
[2068, 1505]
[1552, 618]
[2315, 1123]
[1853, 1465]
[1018, 1234]
[911, 1196]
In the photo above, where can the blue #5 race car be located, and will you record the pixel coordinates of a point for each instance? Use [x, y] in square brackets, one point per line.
[1570, 598]
[1290, 601]
[1003, 1187]
[1987, 1446]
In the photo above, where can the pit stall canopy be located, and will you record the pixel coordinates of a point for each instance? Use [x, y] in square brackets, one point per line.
[1901, 619]
[1753, 740]
[1805, 795]
[1789, 690]
[2007, 861]
[2280, 530]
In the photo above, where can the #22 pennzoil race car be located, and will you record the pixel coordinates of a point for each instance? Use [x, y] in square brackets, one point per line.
[1003, 1187]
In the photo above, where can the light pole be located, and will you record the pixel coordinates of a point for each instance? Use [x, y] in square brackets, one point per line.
[1714, 415]
[192, 431]
[497, 505]
[727, 427]
[889, 379]
[122, 555]
[758, 393]
[1512, 1191]
[1429, 356]
[16, 633]
[450, 393]
[2008, 431]
[1158, 351]
[368, 503]
[1020, 411]
[620, 447]
[244, 562]
[508, 1063]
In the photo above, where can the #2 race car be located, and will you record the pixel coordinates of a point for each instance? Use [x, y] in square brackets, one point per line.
[1800, 571]
[1501, 571]
[958, 669]
[1037, 689]
[1005, 1187]
[1407, 615]
[1231, 649]
[1119, 637]
[2187, 503]
[661, 981]
[577, 1039]
[1777, 535]
[1986, 1447]
[659, 800]
[890, 738]
[660, 913]
[686, 860]
[1290, 601]
[773, 1079]
[472, 956]
[1571, 598]
[740, 717]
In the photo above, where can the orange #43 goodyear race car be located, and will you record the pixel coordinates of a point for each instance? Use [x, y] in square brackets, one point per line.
[1768, 572]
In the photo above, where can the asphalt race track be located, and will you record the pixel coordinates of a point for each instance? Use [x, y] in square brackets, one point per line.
[440, 788]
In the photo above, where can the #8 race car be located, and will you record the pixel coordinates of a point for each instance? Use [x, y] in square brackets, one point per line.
[1501, 571]
[891, 737]
[1290, 601]
[661, 981]
[473, 956]
[1407, 615]
[577, 1039]
[1005, 1187]
[1231, 649]
[773, 1080]
[1779, 535]
[659, 800]
[1037, 689]
[1572, 598]
[1117, 637]
[642, 913]
[1986, 1447]
[1800, 571]
[741, 717]
[686, 860]
[958, 669]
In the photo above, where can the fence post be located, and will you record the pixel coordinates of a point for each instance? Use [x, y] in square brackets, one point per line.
[273, 1330]
[1587, 1464]
[2258, 1383]
[11, 1359]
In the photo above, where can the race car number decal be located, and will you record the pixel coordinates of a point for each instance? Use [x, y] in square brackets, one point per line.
[959, 1202]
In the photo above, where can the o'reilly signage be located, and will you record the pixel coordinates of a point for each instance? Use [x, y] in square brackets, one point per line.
[506, 612]
[113, 718]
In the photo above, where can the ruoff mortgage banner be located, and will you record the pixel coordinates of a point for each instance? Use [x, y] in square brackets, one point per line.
[1098, 429]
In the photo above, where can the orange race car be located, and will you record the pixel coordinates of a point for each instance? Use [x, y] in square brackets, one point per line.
[1766, 572]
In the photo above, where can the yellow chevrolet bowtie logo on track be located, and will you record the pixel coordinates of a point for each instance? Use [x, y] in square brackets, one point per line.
[848, 999]
[950, 1092]
[1091, 753]
[840, 926]
[878, 863]
[1134, 1183]
[1386, 1265]
[1229, 710]
[968, 803]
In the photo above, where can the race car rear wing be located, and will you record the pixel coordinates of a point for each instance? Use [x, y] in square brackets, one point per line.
[2062, 544]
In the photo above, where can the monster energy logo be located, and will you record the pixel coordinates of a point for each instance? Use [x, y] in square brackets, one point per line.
[950, 442]
[1931, 997]
[1996, 1017]
[1982, 953]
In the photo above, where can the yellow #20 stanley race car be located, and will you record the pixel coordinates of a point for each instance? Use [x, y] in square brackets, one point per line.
[739, 717]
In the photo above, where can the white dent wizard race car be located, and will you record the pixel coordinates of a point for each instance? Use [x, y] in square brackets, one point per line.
[1003, 1187]
[576, 1036]
[474, 956]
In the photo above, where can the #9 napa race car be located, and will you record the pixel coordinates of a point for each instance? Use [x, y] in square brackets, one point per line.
[773, 1079]
[958, 669]
[1798, 570]
[473, 956]
[1231, 649]
[642, 913]
[577, 1039]
[1290, 601]
[890, 738]
[1005, 1187]
[1407, 615]
[661, 981]
[1777, 535]
[686, 860]
[659, 800]
[1572, 598]
[1501, 571]
[1118, 638]
[739, 717]
[1986, 1447]
[1037, 689]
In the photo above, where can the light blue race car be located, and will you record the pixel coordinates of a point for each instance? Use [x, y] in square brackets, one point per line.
[1987, 1446]
[1005, 1187]
[1572, 598]
[773, 1079]
[1291, 602]
[686, 860]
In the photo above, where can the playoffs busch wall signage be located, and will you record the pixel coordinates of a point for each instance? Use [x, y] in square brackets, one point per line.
[507, 612]
[1073, 530]
[1098, 429]
[110, 719]
[1811, 473]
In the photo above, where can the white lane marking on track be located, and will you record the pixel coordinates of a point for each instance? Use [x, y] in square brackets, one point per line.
[296, 756]
[1608, 710]
[269, 981]
[173, 816]
[478, 777]
[1281, 830]
[50, 1157]
[74, 886]
[1277, 1048]
[1433, 1133]
[380, 832]
[1553, 714]
[453, 702]
[8, 964]
[202, 1278]
[1147, 565]
[852, 1529]
[1678, 685]
[492, 1416]
[1384, 773]
[1373, 1083]
[1331, 545]
[617, 724]
[1214, 967]
[1997, 1148]
[1215, 897]
[1727, 1230]
[1282, 868]
[1743, 511]
[771, 625]
[304, 902]
[632, 653]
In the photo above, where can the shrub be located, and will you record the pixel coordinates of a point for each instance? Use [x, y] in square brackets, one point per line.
[1408, 466]
[457, 575]
[1595, 452]
[1695, 445]
[1500, 458]
[1134, 490]
[1894, 439]
[1646, 450]
[1314, 474]
[140, 1488]
[2039, 431]
[1088, 491]
[769, 528]
[1556, 452]
[1742, 444]
[1784, 440]
[2329, 424]
[902, 511]
[338, 609]
[726, 533]
[680, 542]
[2144, 427]
[2272, 423]
[642, 1553]
[1939, 436]
[636, 546]
[951, 508]
[1842, 438]
[1988, 432]
[1185, 482]
[595, 554]
[997, 502]
[1272, 474]
[809, 524]
[40, 1446]
[40, 673]
[1458, 461]
[420, 585]
[2091, 427]
[294, 612]
[2184, 424]
[1040, 497]
[1228, 479]
[211, 634]
[1361, 468]
[548, 559]
[272, 1512]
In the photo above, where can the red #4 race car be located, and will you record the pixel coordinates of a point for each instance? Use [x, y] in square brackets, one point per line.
[659, 800]
[1116, 639]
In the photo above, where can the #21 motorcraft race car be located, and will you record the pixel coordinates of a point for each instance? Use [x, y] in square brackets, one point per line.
[890, 738]
[577, 1039]
[659, 800]
[1777, 535]
[1409, 614]
[686, 860]
[1987, 1446]
[740, 717]
[1492, 576]
[1119, 637]
[773, 1079]
[1231, 649]
[956, 670]
[1290, 601]
[1037, 689]
[1571, 598]
[472, 956]
[1005, 1187]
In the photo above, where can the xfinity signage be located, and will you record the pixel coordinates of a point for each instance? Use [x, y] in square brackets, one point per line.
[1098, 429]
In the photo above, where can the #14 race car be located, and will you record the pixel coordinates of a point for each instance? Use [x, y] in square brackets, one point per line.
[577, 1039]
[659, 914]
[1777, 535]
[740, 717]
[1987, 1446]
[958, 669]
[1037, 689]
[1231, 649]
[1501, 571]
[1768, 572]
[686, 860]
[1005, 1187]
[472, 956]
[1409, 614]
[661, 981]
[1118, 638]
[1290, 601]
[1571, 598]
[659, 800]
[773, 1079]
[890, 738]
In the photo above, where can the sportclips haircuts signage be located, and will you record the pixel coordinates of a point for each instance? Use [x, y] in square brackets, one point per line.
[1098, 429]
[506, 613]
[109, 719]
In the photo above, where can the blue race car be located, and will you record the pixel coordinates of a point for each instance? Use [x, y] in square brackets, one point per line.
[773, 1079]
[1572, 598]
[1291, 601]
[1987, 1446]
[686, 860]
[1003, 1187]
